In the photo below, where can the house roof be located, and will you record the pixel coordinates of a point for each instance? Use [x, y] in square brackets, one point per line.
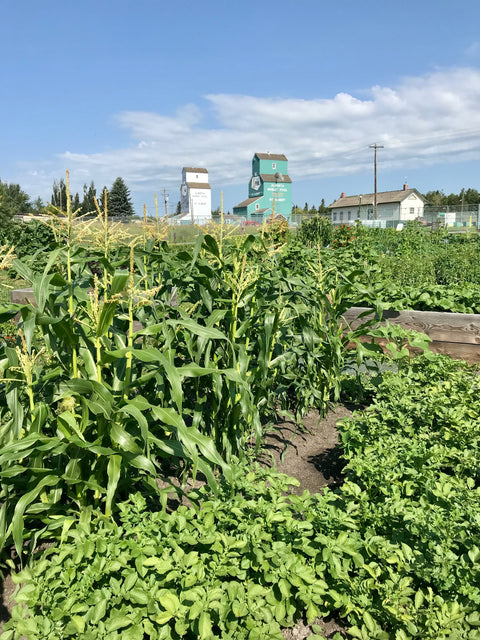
[246, 202]
[383, 197]
[195, 170]
[271, 156]
[270, 177]
[198, 185]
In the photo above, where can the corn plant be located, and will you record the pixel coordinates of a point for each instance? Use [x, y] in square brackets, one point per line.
[89, 412]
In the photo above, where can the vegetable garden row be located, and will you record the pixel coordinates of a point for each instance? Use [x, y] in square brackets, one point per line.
[141, 363]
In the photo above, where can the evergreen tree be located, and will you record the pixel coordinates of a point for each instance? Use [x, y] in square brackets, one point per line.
[89, 195]
[119, 201]
[322, 209]
[76, 202]
[178, 210]
[101, 199]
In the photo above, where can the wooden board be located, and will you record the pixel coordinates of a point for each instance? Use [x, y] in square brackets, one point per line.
[22, 296]
[453, 334]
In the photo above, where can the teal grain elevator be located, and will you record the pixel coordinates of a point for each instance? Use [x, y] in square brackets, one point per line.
[269, 189]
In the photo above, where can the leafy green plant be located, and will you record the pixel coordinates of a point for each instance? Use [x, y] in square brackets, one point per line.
[343, 236]
[315, 231]
[394, 552]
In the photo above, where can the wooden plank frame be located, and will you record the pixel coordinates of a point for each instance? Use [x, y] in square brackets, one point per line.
[454, 334]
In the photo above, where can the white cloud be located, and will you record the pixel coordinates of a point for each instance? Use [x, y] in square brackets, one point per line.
[423, 121]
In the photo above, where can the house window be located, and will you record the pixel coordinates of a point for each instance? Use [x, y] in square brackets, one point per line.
[274, 165]
[257, 206]
[349, 215]
[412, 211]
[334, 217]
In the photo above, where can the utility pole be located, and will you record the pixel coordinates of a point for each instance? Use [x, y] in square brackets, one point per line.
[375, 146]
[165, 198]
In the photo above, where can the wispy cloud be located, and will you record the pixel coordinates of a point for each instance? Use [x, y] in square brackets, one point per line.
[422, 121]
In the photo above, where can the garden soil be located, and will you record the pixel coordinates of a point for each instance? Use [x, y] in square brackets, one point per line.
[312, 455]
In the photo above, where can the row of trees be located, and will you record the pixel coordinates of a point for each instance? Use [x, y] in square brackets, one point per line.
[119, 201]
[466, 196]
[312, 211]
[15, 201]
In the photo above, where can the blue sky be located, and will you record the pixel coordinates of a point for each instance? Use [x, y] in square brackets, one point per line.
[139, 89]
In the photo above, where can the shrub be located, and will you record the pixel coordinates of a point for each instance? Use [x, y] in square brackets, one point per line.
[316, 231]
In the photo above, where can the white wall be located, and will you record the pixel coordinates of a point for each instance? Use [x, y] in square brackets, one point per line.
[412, 202]
[201, 200]
[409, 209]
[196, 177]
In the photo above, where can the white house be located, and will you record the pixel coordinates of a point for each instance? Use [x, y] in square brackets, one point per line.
[392, 206]
[195, 197]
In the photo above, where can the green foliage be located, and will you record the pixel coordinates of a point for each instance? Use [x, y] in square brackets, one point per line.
[119, 201]
[315, 231]
[28, 239]
[93, 405]
[343, 236]
[411, 269]
[13, 201]
[466, 196]
[89, 195]
[59, 194]
[394, 553]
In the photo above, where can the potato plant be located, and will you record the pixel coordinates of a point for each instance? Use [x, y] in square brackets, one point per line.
[394, 553]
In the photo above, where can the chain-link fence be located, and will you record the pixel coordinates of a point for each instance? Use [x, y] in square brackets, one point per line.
[461, 215]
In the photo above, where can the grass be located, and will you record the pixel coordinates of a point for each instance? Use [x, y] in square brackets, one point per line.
[8, 283]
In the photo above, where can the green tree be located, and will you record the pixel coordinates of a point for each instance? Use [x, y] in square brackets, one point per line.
[472, 196]
[59, 194]
[101, 199]
[178, 210]
[466, 196]
[37, 207]
[12, 201]
[322, 209]
[119, 201]
[436, 197]
[89, 195]
[76, 202]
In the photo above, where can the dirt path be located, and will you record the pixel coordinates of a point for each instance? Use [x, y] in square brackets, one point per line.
[313, 457]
